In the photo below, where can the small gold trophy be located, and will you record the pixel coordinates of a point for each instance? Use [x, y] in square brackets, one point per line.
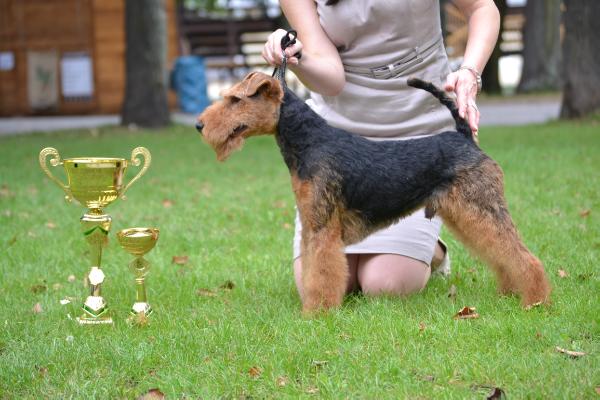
[95, 183]
[138, 242]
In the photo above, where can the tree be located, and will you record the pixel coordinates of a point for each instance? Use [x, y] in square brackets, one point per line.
[145, 59]
[541, 46]
[581, 58]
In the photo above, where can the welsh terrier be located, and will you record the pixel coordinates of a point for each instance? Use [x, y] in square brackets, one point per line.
[347, 187]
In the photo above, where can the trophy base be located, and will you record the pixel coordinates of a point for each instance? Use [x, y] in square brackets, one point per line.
[87, 320]
[95, 312]
[141, 308]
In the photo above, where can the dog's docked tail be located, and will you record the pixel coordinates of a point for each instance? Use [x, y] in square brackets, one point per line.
[461, 124]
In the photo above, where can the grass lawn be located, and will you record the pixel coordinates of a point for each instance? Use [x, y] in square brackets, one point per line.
[234, 222]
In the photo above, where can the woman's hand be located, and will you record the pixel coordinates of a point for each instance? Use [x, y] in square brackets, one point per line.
[464, 84]
[272, 52]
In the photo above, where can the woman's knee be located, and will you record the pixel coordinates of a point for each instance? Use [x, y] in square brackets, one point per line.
[391, 274]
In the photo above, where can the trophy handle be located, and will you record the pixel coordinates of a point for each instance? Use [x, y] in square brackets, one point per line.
[136, 161]
[55, 161]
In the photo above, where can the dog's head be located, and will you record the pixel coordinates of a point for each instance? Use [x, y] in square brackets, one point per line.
[249, 108]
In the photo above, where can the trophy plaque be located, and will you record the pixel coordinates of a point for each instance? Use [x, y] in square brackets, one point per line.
[95, 182]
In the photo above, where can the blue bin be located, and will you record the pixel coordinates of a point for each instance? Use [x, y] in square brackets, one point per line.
[188, 79]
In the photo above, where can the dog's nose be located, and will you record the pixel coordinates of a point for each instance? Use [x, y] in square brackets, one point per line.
[199, 126]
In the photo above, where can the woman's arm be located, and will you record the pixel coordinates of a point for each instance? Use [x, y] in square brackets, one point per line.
[320, 68]
[484, 24]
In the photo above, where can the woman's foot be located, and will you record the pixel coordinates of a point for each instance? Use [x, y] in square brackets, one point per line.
[440, 264]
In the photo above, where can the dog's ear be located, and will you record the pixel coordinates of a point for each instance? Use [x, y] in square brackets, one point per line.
[258, 83]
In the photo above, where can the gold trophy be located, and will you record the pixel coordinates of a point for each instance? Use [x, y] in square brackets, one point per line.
[138, 242]
[95, 182]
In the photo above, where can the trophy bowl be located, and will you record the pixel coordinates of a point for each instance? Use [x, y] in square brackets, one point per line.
[138, 241]
[95, 182]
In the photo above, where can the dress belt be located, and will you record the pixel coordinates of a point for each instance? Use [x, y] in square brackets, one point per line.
[416, 56]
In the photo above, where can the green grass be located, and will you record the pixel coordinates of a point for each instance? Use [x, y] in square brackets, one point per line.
[233, 220]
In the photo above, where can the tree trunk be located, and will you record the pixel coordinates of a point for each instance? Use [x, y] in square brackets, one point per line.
[541, 47]
[581, 62]
[491, 74]
[146, 57]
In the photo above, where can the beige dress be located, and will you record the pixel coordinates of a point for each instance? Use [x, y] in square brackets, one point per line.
[381, 44]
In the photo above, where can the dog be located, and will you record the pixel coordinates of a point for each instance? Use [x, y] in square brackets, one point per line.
[347, 187]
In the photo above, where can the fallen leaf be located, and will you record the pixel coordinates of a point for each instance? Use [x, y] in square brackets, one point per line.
[538, 335]
[319, 363]
[50, 225]
[280, 204]
[71, 278]
[496, 393]
[287, 226]
[5, 191]
[39, 288]
[585, 213]
[562, 273]
[43, 371]
[312, 390]
[206, 292]
[585, 276]
[152, 394]
[574, 354]
[282, 381]
[598, 390]
[37, 308]
[427, 378]
[255, 372]
[422, 326]
[228, 285]
[180, 260]
[466, 313]
[167, 203]
[452, 292]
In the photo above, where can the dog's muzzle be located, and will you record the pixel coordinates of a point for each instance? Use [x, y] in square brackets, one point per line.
[199, 127]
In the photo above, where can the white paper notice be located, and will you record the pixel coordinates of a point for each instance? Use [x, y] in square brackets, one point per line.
[76, 74]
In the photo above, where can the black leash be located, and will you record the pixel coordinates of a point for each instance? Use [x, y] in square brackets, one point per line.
[286, 41]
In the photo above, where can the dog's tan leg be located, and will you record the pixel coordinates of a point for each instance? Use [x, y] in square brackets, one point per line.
[474, 209]
[324, 269]
[324, 264]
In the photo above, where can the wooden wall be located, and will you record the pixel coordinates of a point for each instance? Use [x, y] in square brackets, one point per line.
[92, 26]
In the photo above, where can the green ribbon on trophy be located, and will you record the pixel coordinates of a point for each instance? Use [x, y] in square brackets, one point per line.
[95, 182]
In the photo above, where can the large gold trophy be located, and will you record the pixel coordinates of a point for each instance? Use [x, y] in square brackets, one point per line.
[95, 182]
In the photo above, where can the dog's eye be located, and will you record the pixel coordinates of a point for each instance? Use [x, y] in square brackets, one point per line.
[234, 99]
[255, 95]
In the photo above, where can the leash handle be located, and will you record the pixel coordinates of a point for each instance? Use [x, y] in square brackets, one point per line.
[289, 39]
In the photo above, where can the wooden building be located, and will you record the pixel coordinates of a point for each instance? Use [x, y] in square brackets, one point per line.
[66, 56]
